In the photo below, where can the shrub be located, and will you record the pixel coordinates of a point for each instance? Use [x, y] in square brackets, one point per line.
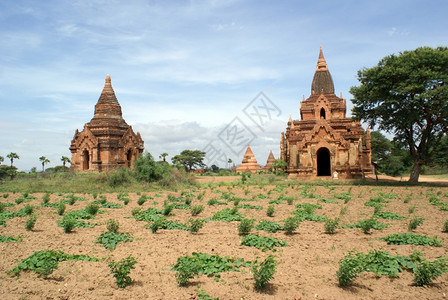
[426, 271]
[46, 198]
[29, 225]
[28, 209]
[415, 222]
[366, 225]
[264, 272]
[119, 177]
[268, 226]
[270, 211]
[195, 225]
[122, 269]
[331, 225]
[245, 226]
[141, 200]
[196, 209]
[291, 224]
[445, 226]
[112, 225]
[167, 209]
[147, 169]
[68, 223]
[61, 208]
[92, 209]
[411, 209]
[349, 268]
[156, 225]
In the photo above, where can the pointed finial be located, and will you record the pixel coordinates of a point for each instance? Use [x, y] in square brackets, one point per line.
[303, 97]
[321, 63]
[341, 95]
[108, 78]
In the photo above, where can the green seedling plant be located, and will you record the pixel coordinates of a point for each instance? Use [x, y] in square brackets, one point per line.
[264, 272]
[195, 225]
[268, 226]
[189, 267]
[61, 209]
[270, 211]
[196, 209]
[411, 238]
[121, 270]
[112, 225]
[263, 243]
[68, 223]
[426, 272]
[28, 209]
[415, 222]
[4, 239]
[290, 225]
[110, 240]
[331, 225]
[245, 226]
[92, 209]
[29, 225]
[45, 262]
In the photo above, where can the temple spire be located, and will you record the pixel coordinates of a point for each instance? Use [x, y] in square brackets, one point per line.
[321, 63]
[322, 81]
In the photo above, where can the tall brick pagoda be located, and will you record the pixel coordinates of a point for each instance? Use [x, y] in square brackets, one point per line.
[249, 162]
[107, 141]
[325, 142]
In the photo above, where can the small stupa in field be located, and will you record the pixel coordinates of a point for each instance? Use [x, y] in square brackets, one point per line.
[107, 141]
[270, 162]
[249, 163]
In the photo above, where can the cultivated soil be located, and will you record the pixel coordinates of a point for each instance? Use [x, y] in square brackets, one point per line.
[306, 267]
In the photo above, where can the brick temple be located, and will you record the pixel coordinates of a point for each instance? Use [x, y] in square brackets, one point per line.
[249, 162]
[325, 142]
[107, 141]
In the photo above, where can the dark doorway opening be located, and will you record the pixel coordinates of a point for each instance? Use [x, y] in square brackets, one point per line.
[322, 113]
[323, 162]
[129, 157]
[86, 160]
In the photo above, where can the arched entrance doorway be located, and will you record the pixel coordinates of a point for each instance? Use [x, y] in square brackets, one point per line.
[323, 162]
[322, 113]
[129, 157]
[86, 160]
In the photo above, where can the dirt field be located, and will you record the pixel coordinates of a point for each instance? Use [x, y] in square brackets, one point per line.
[306, 267]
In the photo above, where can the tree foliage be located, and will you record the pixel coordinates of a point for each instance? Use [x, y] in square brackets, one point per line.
[12, 156]
[44, 161]
[407, 95]
[147, 169]
[190, 159]
[65, 160]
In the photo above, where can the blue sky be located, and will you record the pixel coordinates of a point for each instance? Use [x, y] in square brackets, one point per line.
[183, 70]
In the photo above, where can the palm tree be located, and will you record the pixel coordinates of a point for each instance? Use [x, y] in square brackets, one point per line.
[229, 162]
[12, 156]
[1, 159]
[163, 155]
[44, 161]
[65, 160]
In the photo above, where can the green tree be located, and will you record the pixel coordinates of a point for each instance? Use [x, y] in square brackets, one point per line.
[388, 155]
[190, 159]
[44, 161]
[440, 154]
[65, 160]
[163, 156]
[407, 95]
[2, 159]
[147, 169]
[12, 156]
[279, 165]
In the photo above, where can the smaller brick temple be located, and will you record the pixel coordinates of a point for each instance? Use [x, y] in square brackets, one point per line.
[249, 162]
[270, 162]
[107, 141]
[325, 142]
